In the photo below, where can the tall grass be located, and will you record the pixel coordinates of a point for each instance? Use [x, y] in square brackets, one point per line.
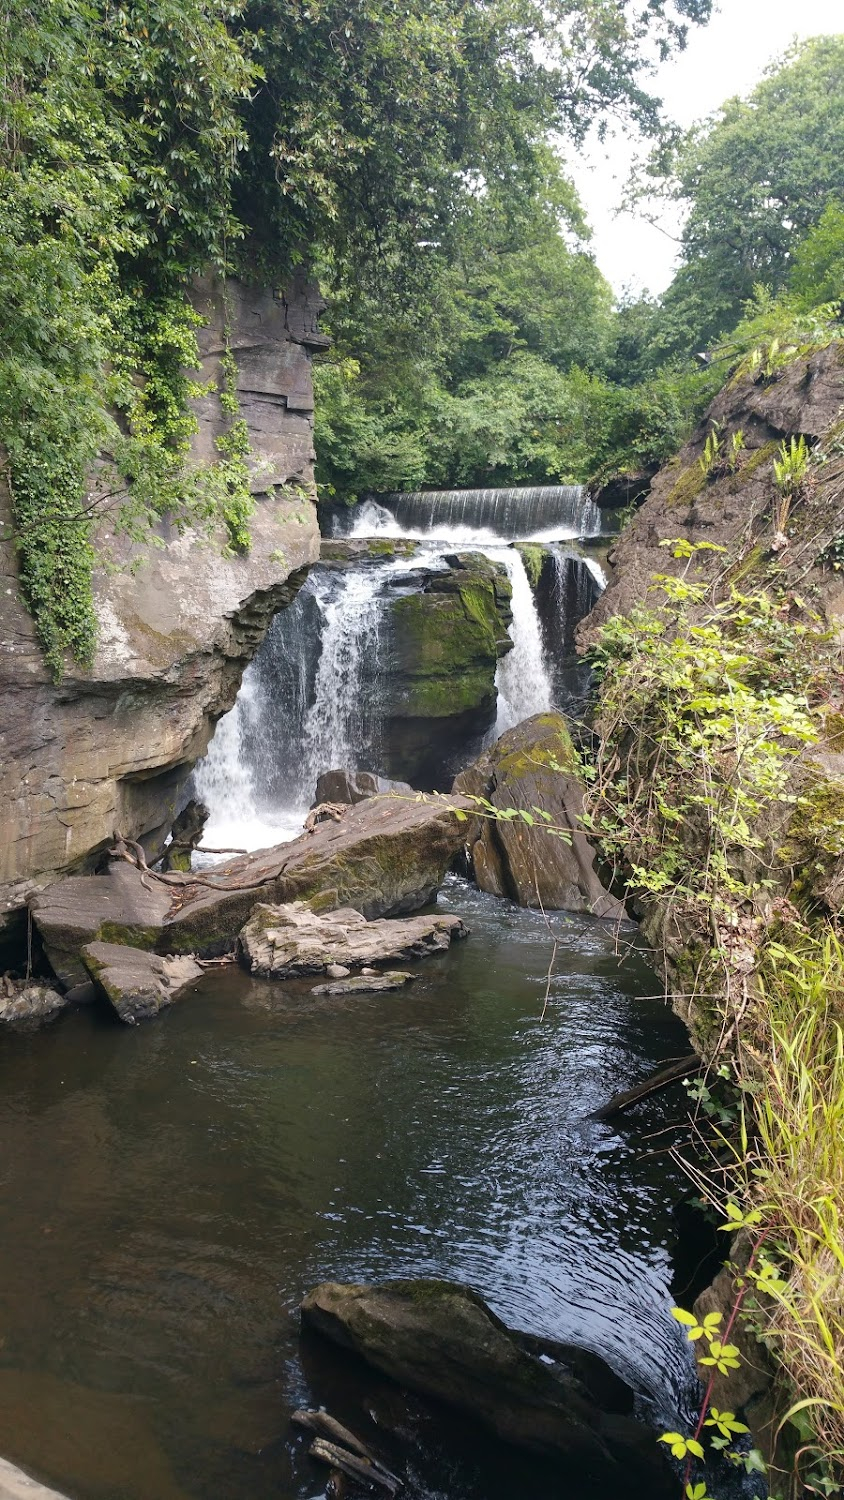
[793, 1066]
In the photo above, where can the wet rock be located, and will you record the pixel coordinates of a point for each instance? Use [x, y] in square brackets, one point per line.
[440, 1339]
[386, 856]
[531, 767]
[353, 786]
[353, 549]
[279, 942]
[443, 634]
[138, 984]
[366, 984]
[337, 971]
[626, 487]
[23, 1001]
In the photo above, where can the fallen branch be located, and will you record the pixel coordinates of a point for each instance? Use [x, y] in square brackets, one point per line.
[357, 1468]
[653, 1084]
[322, 1423]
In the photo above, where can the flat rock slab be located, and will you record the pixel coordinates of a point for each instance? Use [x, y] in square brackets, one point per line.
[279, 942]
[362, 984]
[122, 905]
[138, 984]
[385, 856]
[439, 1338]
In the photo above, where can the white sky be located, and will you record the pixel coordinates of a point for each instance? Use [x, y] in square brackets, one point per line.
[726, 57]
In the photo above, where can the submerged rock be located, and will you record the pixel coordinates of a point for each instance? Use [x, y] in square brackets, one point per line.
[24, 1000]
[383, 857]
[281, 941]
[138, 984]
[439, 1338]
[548, 864]
[366, 984]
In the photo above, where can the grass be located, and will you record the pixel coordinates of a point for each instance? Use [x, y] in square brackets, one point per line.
[792, 1066]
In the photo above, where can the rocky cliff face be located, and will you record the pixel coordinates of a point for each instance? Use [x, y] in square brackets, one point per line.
[110, 748]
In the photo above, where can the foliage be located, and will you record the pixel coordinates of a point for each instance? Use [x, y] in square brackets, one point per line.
[817, 270]
[699, 735]
[144, 141]
[755, 180]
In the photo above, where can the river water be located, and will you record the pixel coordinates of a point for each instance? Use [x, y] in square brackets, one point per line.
[170, 1192]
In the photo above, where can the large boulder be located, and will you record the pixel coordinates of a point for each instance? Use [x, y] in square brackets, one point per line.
[178, 620]
[282, 941]
[443, 633]
[537, 861]
[138, 984]
[384, 857]
[439, 1338]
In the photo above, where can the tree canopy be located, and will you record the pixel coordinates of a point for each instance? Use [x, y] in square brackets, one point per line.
[755, 180]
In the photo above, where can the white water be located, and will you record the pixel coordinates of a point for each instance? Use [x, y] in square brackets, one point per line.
[523, 678]
[336, 720]
[340, 720]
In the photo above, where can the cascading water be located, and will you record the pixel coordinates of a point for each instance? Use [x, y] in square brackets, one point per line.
[523, 678]
[527, 513]
[310, 701]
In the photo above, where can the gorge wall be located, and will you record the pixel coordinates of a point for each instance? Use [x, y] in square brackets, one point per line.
[178, 620]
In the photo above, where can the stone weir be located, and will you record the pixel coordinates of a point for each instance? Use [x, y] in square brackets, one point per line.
[110, 747]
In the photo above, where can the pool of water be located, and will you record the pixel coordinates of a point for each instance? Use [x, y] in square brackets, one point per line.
[169, 1193]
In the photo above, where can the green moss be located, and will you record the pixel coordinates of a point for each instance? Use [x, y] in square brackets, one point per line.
[752, 464]
[131, 937]
[687, 488]
[534, 558]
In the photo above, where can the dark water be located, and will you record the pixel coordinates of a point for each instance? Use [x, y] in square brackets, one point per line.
[169, 1193]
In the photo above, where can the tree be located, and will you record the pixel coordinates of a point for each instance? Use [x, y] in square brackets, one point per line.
[755, 180]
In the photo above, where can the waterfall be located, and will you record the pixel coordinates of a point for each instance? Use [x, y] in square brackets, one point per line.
[310, 700]
[539, 512]
[341, 724]
[522, 678]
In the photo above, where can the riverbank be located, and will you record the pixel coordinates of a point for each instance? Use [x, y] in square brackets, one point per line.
[717, 794]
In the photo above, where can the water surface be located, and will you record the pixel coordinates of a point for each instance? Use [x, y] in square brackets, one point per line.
[170, 1192]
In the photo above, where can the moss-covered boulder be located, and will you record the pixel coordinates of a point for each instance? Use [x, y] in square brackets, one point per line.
[541, 859]
[444, 632]
[440, 1339]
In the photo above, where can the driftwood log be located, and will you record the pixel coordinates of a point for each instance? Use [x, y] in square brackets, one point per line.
[349, 1463]
[327, 1427]
[653, 1084]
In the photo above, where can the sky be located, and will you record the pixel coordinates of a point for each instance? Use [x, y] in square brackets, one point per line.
[726, 57]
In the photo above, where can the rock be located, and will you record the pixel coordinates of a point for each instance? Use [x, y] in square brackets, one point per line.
[362, 549]
[535, 766]
[386, 856]
[16, 1485]
[732, 510]
[391, 979]
[138, 984]
[282, 941]
[119, 906]
[185, 836]
[442, 636]
[440, 1339]
[354, 786]
[337, 971]
[24, 1000]
[111, 746]
[626, 487]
